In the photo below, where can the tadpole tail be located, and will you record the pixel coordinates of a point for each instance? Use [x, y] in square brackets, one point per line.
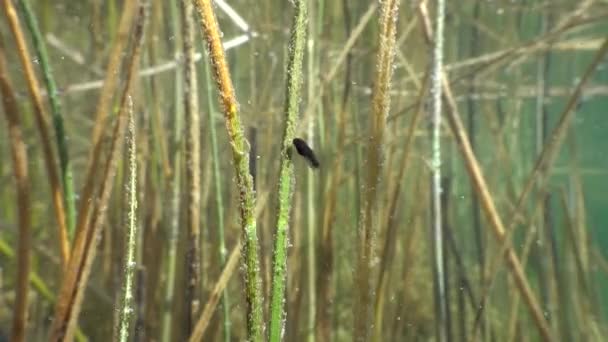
[313, 161]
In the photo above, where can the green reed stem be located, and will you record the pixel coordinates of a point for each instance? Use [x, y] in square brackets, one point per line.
[219, 200]
[177, 149]
[47, 73]
[436, 202]
[240, 156]
[315, 16]
[286, 177]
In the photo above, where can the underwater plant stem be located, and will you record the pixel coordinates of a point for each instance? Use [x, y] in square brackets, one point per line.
[41, 117]
[130, 264]
[220, 286]
[489, 207]
[286, 176]
[240, 156]
[515, 303]
[173, 237]
[391, 222]
[177, 149]
[192, 124]
[112, 72]
[109, 85]
[545, 159]
[472, 133]
[311, 246]
[486, 200]
[436, 210]
[37, 283]
[60, 135]
[75, 279]
[380, 107]
[219, 199]
[24, 206]
[551, 148]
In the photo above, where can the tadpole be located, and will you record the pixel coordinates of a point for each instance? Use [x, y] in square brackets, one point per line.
[305, 151]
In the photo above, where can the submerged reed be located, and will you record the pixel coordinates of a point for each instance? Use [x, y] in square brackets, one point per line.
[286, 174]
[42, 124]
[85, 246]
[130, 264]
[22, 185]
[498, 160]
[389, 12]
[219, 199]
[60, 134]
[439, 267]
[171, 260]
[193, 177]
[240, 156]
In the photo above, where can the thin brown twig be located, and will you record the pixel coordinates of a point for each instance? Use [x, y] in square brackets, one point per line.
[214, 297]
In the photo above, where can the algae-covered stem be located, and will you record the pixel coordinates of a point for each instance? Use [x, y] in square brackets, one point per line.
[126, 311]
[75, 279]
[240, 155]
[363, 308]
[217, 179]
[192, 120]
[286, 177]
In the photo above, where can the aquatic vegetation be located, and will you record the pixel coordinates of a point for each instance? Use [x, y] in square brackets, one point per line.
[303, 170]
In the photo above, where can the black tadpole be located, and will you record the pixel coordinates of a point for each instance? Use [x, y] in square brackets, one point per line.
[305, 151]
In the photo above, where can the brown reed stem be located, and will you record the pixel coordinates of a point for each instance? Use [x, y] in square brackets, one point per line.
[545, 160]
[554, 141]
[240, 156]
[22, 184]
[485, 198]
[110, 81]
[85, 245]
[42, 122]
[391, 224]
[214, 297]
[380, 107]
[103, 104]
[192, 121]
[489, 207]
